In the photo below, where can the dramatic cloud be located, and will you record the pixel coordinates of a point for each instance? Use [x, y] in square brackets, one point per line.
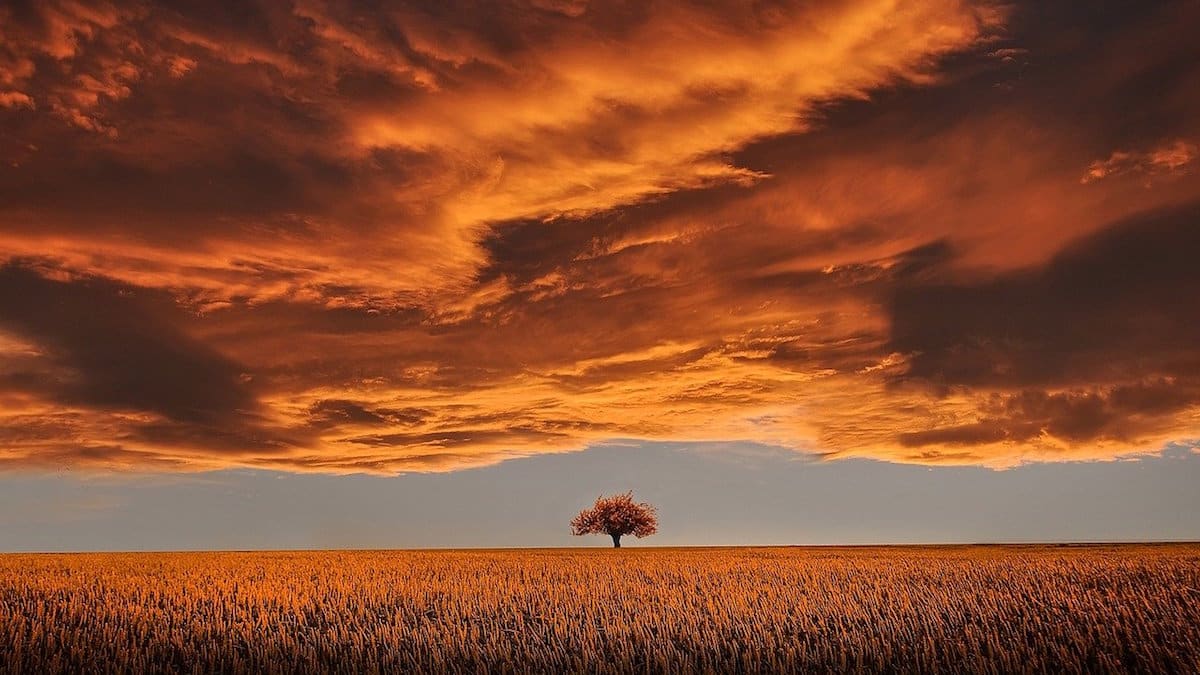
[425, 236]
[1168, 158]
[1097, 347]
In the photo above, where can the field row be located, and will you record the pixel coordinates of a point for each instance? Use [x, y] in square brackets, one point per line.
[937, 609]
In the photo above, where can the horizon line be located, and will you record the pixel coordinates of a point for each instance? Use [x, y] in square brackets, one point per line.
[960, 544]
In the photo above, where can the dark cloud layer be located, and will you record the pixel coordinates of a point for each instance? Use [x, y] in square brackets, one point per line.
[118, 349]
[425, 236]
[1117, 304]
[1097, 345]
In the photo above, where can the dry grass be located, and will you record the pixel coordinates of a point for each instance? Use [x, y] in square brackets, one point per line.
[938, 609]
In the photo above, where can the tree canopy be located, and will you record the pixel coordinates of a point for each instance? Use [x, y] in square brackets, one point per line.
[617, 516]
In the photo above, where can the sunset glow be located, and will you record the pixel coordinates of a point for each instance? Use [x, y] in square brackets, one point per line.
[310, 238]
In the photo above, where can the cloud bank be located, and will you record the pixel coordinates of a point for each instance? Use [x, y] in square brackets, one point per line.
[427, 236]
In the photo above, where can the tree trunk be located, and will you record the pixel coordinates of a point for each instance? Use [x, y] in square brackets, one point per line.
[616, 540]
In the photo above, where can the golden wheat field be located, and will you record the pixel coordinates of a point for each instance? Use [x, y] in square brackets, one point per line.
[899, 609]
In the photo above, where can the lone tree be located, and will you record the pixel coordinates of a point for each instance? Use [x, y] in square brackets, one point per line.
[616, 516]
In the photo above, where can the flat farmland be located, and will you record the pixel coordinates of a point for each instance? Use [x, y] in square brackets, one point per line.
[1001, 609]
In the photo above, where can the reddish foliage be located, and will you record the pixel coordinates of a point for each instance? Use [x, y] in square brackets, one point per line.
[617, 516]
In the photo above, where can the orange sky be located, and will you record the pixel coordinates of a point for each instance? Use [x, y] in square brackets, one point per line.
[320, 237]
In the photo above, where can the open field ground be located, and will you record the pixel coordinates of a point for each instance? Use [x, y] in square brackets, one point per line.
[898, 609]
